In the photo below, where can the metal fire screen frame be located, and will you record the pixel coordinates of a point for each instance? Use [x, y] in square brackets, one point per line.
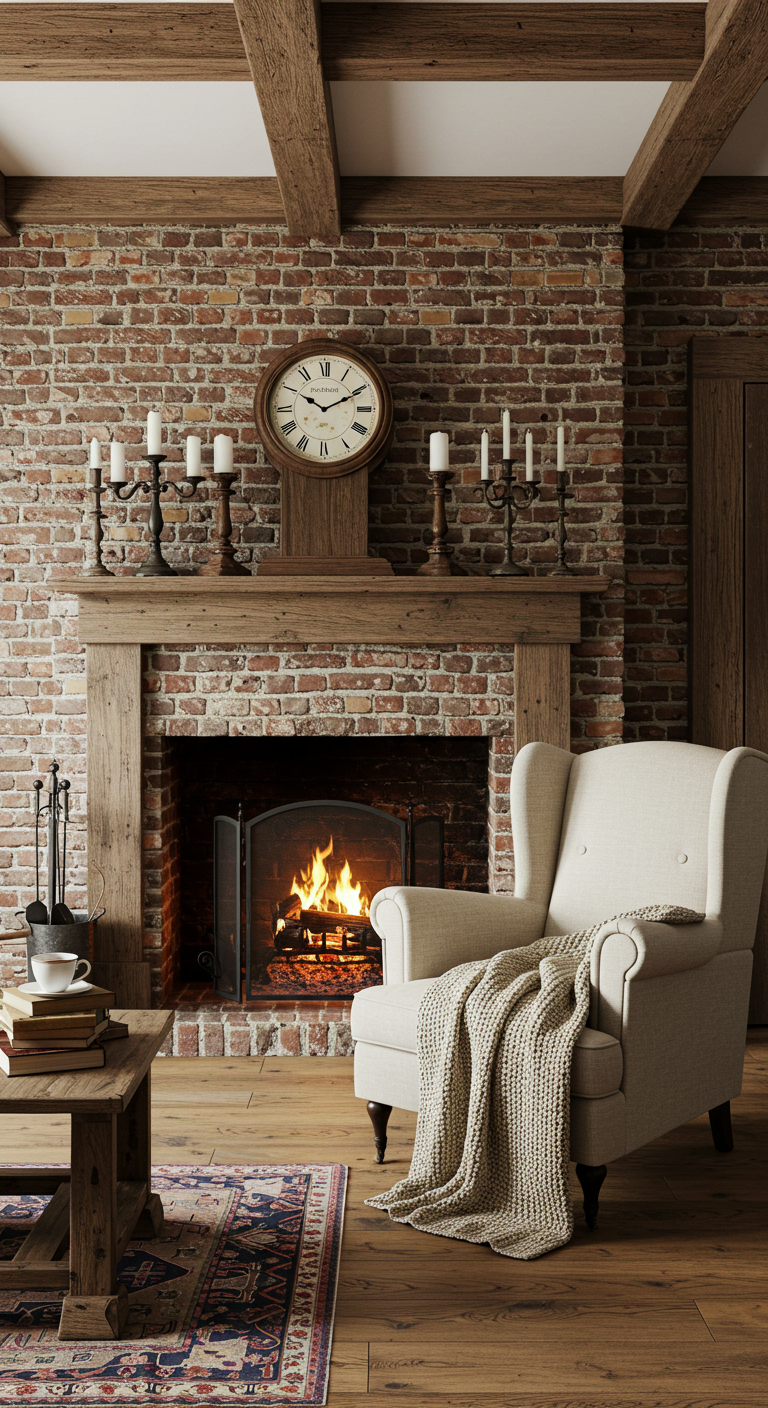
[421, 840]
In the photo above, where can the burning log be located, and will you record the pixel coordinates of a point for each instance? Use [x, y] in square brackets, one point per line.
[301, 932]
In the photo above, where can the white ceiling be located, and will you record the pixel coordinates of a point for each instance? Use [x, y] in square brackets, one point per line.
[383, 129]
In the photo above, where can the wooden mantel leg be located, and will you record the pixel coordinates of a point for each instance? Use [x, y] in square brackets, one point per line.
[114, 761]
[543, 695]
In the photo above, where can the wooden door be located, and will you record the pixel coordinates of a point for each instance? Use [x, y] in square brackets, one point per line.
[728, 463]
[756, 631]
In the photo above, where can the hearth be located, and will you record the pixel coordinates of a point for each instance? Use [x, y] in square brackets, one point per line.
[273, 880]
[310, 871]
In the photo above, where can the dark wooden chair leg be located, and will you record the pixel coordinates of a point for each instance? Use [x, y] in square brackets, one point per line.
[591, 1178]
[379, 1116]
[720, 1124]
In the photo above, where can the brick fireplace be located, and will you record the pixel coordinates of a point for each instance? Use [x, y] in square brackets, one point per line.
[478, 662]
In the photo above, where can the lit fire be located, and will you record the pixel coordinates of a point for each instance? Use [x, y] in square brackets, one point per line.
[315, 892]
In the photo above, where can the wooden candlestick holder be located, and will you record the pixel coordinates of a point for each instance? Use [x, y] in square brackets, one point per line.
[439, 563]
[95, 487]
[221, 561]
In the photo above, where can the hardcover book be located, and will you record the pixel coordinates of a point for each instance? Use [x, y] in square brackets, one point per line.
[32, 1006]
[44, 1059]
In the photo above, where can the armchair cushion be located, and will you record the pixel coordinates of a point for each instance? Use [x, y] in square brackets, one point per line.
[388, 1016]
[635, 832]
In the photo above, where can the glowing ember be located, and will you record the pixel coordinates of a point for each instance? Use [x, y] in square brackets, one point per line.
[317, 889]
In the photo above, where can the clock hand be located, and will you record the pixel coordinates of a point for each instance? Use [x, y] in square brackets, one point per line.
[338, 403]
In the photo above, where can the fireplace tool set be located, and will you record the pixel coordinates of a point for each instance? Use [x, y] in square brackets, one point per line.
[53, 925]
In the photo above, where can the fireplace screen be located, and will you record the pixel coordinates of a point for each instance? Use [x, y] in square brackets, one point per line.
[311, 871]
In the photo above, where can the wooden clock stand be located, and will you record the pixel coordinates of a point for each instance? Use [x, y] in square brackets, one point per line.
[324, 506]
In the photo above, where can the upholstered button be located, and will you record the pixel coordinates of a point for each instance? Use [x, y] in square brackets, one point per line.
[582, 850]
[682, 858]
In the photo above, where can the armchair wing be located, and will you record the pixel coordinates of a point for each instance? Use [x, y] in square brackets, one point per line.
[425, 932]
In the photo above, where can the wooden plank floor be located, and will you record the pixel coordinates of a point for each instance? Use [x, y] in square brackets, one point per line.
[664, 1306]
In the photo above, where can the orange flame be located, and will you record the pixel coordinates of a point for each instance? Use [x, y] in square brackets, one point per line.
[314, 890]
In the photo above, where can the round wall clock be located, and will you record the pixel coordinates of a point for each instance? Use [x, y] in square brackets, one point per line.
[323, 409]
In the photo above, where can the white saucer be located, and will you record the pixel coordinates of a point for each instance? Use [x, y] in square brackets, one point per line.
[35, 990]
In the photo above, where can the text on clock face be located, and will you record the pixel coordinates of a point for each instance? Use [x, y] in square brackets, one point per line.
[324, 408]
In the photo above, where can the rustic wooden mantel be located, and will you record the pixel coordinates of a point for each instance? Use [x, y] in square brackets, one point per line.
[539, 616]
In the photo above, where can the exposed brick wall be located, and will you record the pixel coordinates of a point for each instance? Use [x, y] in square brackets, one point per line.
[685, 283]
[101, 325]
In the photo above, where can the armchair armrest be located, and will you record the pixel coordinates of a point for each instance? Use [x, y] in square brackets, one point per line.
[425, 932]
[630, 950]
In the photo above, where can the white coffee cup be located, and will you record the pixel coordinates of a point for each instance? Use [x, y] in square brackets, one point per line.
[55, 971]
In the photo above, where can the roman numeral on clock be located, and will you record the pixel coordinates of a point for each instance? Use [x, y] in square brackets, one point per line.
[288, 427]
[361, 429]
[358, 389]
[323, 449]
[361, 410]
[325, 368]
[303, 372]
[302, 445]
[289, 407]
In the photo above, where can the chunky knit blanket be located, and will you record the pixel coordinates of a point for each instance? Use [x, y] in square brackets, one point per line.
[495, 1044]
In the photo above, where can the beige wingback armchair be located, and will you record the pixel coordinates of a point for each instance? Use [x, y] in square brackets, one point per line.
[598, 835]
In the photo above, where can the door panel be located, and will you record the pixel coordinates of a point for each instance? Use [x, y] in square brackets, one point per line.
[756, 631]
[717, 552]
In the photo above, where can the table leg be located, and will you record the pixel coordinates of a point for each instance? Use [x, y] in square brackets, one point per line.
[96, 1307]
[134, 1156]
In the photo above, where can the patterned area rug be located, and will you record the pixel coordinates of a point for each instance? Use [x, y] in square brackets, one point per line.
[233, 1301]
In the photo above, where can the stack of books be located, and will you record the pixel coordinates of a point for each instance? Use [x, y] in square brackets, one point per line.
[57, 1033]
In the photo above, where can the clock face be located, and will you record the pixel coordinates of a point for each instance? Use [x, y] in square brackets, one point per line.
[324, 408]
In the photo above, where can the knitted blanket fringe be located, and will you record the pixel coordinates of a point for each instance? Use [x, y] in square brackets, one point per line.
[495, 1043]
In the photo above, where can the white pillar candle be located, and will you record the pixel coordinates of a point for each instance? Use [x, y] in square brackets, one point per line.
[194, 456]
[223, 454]
[529, 454]
[485, 472]
[95, 461]
[438, 451]
[506, 450]
[560, 448]
[117, 462]
[154, 433]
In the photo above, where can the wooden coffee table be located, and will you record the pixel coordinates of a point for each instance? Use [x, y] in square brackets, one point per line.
[106, 1197]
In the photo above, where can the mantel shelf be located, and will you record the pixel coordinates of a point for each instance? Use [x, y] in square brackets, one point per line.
[345, 610]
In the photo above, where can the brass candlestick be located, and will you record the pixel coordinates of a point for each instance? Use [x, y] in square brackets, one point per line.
[221, 562]
[561, 536]
[439, 562]
[156, 565]
[508, 493]
[95, 487]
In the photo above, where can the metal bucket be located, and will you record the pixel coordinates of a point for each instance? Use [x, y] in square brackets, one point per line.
[62, 938]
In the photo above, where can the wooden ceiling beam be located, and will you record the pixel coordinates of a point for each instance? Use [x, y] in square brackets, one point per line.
[695, 118]
[129, 43]
[282, 43]
[131, 200]
[637, 39]
[727, 200]
[77, 200]
[513, 42]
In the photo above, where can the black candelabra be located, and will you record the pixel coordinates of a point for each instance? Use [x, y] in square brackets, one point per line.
[509, 493]
[562, 492]
[156, 565]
